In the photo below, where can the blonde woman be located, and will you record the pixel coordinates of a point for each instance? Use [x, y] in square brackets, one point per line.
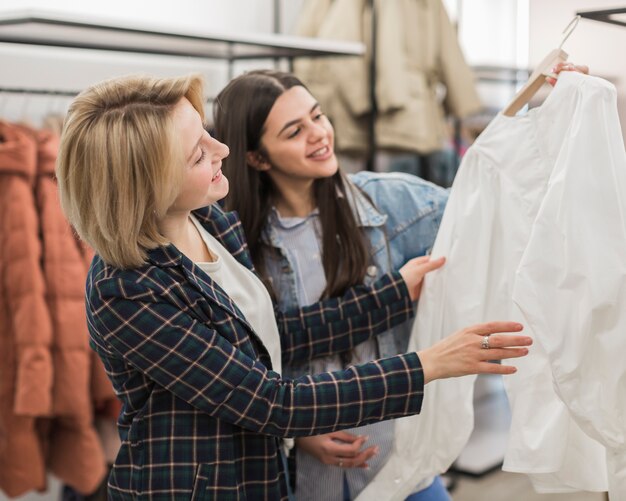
[186, 330]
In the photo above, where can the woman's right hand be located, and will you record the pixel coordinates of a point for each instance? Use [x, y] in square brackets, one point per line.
[469, 351]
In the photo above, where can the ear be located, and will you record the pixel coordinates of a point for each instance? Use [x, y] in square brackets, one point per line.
[257, 160]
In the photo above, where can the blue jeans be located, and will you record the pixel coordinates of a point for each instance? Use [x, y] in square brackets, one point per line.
[290, 494]
[435, 492]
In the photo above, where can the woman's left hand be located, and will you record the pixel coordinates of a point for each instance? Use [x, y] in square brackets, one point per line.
[338, 448]
[565, 66]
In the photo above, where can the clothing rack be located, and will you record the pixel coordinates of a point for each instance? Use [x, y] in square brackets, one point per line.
[41, 92]
[370, 164]
[53, 29]
[67, 30]
[501, 74]
[52, 92]
[605, 16]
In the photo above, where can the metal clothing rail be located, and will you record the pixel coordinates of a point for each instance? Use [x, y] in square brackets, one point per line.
[82, 32]
[370, 163]
[41, 92]
[52, 92]
[54, 29]
[605, 16]
[501, 74]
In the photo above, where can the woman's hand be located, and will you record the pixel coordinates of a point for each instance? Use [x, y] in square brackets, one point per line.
[415, 270]
[469, 350]
[338, 448]
[565, 66]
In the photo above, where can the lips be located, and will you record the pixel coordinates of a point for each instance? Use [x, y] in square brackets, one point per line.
[217, 176]
[321, 153]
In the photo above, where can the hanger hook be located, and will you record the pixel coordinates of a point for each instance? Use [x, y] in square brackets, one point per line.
[569, 29]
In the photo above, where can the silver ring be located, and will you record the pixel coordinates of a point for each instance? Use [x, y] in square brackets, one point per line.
[340, 463]
[485, 344]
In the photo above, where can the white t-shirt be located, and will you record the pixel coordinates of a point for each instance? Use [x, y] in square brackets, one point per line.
[246, 291]
[485, 230]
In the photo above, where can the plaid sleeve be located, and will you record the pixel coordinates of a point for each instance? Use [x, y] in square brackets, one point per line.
[201, 367]
[321, 403]
[338, 324]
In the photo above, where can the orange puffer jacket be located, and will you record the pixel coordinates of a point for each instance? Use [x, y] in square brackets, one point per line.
[49, 377]
[75, 452]
[25, 328]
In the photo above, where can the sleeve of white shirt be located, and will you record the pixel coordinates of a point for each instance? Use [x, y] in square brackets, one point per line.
[571, 282]
[427, 444]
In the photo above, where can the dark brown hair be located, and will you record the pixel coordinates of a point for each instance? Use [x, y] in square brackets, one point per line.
[240, 112]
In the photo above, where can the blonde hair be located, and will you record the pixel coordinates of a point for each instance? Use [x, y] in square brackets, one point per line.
[120, 163]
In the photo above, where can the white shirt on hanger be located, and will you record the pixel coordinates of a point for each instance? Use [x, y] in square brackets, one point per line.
[485, 229]
[571, 282]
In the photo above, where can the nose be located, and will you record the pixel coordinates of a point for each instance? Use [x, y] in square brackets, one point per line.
[220, 150]
[318, 131]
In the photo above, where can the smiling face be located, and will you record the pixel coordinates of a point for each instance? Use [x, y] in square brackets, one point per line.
[203, 182]
[298, 140]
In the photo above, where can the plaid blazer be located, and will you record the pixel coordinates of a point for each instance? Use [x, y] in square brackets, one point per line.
[202, 409]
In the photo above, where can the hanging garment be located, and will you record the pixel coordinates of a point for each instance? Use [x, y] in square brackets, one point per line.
[416, 52]
[571, 282]
[75, 454]
[484, 231]
[25, 329]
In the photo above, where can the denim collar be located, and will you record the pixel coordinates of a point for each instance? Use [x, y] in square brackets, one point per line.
[368, 214]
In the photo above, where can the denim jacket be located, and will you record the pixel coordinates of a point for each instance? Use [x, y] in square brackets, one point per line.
[400, 222]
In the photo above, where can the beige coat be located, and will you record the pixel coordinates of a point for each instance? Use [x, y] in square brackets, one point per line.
[417, 50]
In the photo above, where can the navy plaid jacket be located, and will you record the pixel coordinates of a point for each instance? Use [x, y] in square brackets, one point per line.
[202, 409]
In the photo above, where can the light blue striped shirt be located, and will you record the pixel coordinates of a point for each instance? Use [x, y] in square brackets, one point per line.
[316, 481]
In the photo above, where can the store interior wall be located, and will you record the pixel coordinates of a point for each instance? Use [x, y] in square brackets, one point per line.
[493, 33]
[596, 44]
[520, 33]
[74, 69]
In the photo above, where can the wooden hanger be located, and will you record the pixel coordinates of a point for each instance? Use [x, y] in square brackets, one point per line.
[538, 77]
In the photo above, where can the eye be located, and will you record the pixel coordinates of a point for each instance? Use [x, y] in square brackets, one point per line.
[317, 116]
[294, 133]
[202, 156]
